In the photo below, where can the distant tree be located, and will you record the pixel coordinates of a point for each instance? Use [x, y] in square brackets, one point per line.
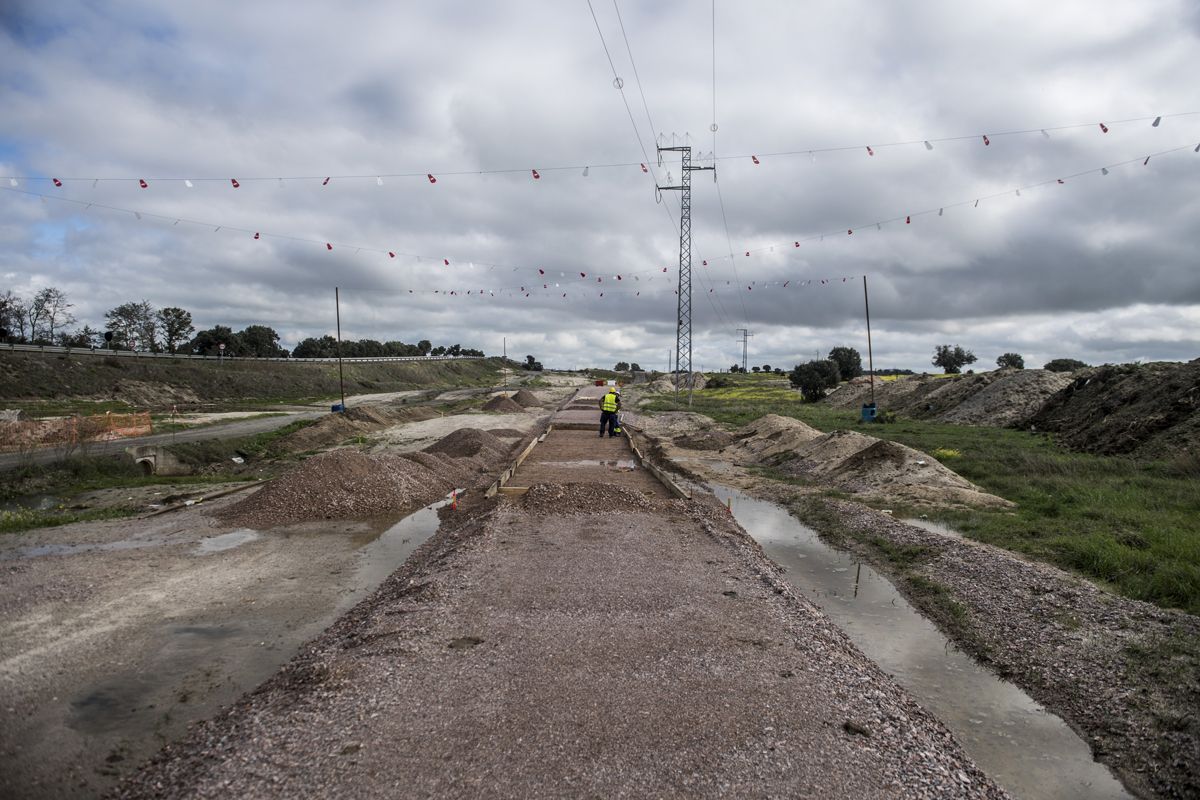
[325, 347]
[86, 336]
[848, 360]
[532, 364]
[424, 346]
[622, 366]
[952, 358]
[401, 349]
[47, 313]
[735, 368]
[815, 378]
[454, 350]
[133, 324]
[755, 369]
[766, 367]
[440, 350]
[12, 317]
[1010, 361]
[635, 367]
[260, 341]
[1064, 365]
[778, 371]
[208, 343]
[175, 325]
[471, 351]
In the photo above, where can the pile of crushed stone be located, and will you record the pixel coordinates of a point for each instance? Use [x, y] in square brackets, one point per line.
[337, 428]
[574, 499]
[506, 433]
[504, 404]
[466, 442]
[1146, 410]
[1001, 398]
[337, 485]
[526, 399]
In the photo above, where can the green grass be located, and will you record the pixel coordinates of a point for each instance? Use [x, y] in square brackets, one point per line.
[217, 451]
[1133, 525]
[26, 519]
[91, 473]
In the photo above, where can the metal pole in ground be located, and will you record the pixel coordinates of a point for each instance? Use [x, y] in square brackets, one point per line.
[337, 305]
[870, 355]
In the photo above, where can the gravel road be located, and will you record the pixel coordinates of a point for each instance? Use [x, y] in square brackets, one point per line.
[602, 652]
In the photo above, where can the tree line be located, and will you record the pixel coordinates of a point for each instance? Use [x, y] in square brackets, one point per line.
[46, 319]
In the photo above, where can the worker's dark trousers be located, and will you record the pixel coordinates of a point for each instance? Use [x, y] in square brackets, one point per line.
[608, 418]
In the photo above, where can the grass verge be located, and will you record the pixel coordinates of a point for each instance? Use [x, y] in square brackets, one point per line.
[27, 519]
[1132, 525]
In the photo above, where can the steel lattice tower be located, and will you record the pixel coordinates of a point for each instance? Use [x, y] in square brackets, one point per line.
[683, 316]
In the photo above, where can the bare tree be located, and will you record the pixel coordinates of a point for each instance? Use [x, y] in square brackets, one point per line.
[12, 316]
[55, 309]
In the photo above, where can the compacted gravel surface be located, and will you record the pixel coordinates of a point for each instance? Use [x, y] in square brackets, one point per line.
[648, 651]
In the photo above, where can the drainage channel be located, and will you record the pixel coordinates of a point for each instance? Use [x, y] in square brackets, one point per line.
[1028, 750]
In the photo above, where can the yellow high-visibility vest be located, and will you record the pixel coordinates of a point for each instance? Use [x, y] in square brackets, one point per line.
[609, 403]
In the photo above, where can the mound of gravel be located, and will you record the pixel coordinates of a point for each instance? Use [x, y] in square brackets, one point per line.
[504, 404]
[1009, 400]
[526, 399]
[705, 440]
[574, 499]
[466, 442]
[339, 484]
[506, 433]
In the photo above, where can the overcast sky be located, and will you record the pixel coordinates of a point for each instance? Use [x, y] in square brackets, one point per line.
[376, 95]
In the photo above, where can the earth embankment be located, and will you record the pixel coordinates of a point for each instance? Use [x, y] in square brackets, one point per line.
[161, 383]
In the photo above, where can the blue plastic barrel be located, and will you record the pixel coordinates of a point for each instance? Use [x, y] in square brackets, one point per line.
[337, 408]
[868, 412]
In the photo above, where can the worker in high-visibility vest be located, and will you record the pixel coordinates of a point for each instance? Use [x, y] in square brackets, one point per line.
[610, 408]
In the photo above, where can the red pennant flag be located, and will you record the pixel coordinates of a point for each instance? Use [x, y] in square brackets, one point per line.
[142, 183]
[431, 178]
[602, 294]
[986, 140]
[704, 263]
[391, 254]
[797, 244]
[747, 252]
[583, 274]
[325, 182]
[57, 182]
[234, 182]
[754, 159]
[545, 286]
[849, 231]
[1147, 161]
[908, 220]
[328, 246]
[1103, 127]
[522, 288]
[618, 277]
[598, 280]
[870, 152]
[644, 168]
[664, 269]
[749, 288]
[541, 272]
[1060, 180]
[256, 234]
[785, 283]
[535, 175]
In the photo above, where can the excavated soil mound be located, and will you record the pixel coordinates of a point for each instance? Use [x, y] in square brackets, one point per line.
[573, 499]
[504, 404]
[337, 428]
[463, 473]
[1009, 400]
[1146, 410]
[770, 436]
[667, 384]
[468, 442]
[1002, 398]
[146, 394]
[526, 399]
[885, 470]
[705, 440]
[336, 485]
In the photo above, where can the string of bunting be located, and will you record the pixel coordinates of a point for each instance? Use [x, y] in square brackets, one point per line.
[535, 173]
[584, 277]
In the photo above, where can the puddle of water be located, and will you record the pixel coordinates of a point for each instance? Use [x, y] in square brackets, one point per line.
[34, 551]
[226, 541]
[384, 554]
[1026, 749]
[934, 527]
[33, 502]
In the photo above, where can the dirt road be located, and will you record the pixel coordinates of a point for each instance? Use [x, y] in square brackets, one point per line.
[581, 639]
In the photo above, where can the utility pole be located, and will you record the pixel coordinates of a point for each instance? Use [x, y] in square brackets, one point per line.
[683, 315]
[746, 337]
[870, 355]
[337, 305]
[505, 363]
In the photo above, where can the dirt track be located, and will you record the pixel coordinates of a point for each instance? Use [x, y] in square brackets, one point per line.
[580, 640]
